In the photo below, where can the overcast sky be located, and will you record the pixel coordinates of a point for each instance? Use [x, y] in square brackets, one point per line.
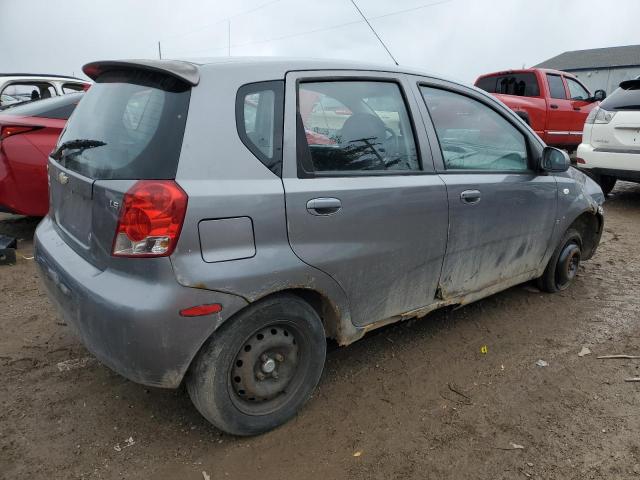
[455, 38]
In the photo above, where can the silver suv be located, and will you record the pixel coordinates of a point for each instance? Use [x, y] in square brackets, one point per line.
[216, 222]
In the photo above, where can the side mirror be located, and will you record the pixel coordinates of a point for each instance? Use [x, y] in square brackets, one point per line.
[599, 95]
[554, 160]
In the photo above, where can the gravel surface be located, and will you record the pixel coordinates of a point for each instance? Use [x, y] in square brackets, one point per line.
[457, 395]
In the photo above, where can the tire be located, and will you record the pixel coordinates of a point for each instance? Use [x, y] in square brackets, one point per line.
[259, 368]
[606, 183]
[563, 264]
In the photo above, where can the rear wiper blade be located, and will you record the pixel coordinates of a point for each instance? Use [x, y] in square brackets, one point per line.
[81, 144]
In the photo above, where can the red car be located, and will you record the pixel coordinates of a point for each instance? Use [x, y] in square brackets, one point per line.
[28, 133]
[554, 103]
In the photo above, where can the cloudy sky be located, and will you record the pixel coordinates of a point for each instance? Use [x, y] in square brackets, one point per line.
[455, 38]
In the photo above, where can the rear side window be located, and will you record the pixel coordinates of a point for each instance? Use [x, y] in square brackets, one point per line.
[354, 126]
[57, 107]
[259, 120]
[556, 86]
[627, 97]
[28, 91]
[134, 122]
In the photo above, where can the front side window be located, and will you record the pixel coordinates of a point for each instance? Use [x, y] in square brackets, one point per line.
[259, 120]
[556, 86]
[577, 91]
[473, 136]
[355, 126]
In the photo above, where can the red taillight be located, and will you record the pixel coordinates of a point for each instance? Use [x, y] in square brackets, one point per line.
[150, 219]
[10, 130]
[200, 310]
[580, 160]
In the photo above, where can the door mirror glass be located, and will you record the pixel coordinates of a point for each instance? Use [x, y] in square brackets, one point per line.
[599, 95]
[554, 160]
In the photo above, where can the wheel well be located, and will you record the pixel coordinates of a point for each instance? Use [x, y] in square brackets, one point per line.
[589, 226]
[326, 310]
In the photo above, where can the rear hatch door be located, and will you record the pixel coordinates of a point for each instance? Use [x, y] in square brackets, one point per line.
[128, 127]
[622, 132]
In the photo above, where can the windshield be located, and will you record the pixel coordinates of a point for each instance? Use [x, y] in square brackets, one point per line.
[135, 122]
[627, 97]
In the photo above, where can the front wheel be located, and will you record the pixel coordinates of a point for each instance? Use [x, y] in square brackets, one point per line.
[258, 370]
[563, 265]
[606, 183]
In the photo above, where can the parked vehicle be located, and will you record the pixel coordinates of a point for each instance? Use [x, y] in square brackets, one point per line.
[610, 148]
[28, 133]
[198, 232]
[555, 104]
[8, 99]
[25, 87]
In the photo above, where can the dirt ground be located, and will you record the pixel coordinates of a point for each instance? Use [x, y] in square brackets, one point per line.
[387, 406]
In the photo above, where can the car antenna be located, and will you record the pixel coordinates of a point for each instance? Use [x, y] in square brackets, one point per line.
[374, 32]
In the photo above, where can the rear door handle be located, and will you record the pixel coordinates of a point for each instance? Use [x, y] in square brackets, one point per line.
[324, 206]
[470, 196]
[577, 109]
[554, 106]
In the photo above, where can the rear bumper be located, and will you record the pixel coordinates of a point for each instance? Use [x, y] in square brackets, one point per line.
[624, 165]
[130, 324]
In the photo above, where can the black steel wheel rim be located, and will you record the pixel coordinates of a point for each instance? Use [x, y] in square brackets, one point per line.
[268, 369]
[568, 264]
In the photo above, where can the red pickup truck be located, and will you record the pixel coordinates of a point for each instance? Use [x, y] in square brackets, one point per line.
[555, 104]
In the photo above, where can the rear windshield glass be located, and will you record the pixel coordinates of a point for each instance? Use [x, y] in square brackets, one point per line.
[627, 98]
[129, 125]
[520, 84]
[56, 107]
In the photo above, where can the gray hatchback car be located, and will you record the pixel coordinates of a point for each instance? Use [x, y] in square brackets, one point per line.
[216, 222]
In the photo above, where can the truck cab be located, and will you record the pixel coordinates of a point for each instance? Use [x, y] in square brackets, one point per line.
[555, 104]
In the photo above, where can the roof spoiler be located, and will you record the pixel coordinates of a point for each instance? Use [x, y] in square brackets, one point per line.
[185, 71]
[630, 84]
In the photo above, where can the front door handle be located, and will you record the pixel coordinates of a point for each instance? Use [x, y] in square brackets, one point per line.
[324, 206]
[470, 196]
[577, 109]
[554, 106]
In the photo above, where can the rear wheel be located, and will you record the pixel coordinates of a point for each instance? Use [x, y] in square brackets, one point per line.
[563, 265]
[606, 183]
[258, 370]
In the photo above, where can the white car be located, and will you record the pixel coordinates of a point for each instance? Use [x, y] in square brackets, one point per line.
[24, 87]
[610, 148]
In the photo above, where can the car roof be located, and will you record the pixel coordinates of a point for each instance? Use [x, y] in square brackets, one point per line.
[42, 75]
[528, 70]
[287, 64]
[188, 69]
